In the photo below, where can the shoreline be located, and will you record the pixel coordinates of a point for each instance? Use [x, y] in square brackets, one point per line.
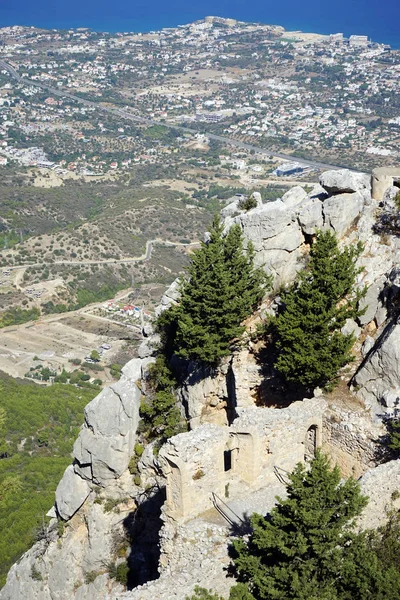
[147, 29]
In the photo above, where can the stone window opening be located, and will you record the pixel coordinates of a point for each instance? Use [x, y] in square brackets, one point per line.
[227, 460]
[310, 445]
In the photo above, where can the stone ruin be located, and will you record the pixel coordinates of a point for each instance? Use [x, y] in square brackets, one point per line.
[229, 461]
[235, 448]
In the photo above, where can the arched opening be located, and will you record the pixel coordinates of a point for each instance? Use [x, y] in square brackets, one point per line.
[310, 444]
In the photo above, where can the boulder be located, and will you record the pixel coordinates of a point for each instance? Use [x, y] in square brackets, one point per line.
[294, 196]
[341, 211]
[71, 493]
[310, 216]
[351, 328]
[380, 372]
[371, 302]
[379, 484]
[106, 440]
[342, 180]
[133, 370]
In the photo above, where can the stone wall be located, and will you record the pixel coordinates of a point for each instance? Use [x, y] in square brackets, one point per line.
[213, 459]
[349, 438]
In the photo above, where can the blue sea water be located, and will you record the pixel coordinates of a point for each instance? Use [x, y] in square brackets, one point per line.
[379, 19]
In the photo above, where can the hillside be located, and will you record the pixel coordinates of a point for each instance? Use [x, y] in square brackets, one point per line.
[39, 429]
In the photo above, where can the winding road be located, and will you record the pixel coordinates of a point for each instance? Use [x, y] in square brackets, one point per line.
[146, 256]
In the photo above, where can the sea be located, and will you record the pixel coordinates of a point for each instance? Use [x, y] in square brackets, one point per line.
[378, 19]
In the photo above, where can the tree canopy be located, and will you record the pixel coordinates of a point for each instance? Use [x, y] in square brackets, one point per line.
[311, 348]
[221, 289]
[308, 550]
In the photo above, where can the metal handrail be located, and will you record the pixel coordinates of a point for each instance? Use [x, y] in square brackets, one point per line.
[279, 474]
[223, 512]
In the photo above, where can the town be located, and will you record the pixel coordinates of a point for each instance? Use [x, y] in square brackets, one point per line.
[306, 95]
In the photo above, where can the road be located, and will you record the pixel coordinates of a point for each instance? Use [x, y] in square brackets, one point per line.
[129, 116]
[146, 256]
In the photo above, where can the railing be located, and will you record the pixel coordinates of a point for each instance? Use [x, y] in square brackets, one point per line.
[225, 511]
[282, 475]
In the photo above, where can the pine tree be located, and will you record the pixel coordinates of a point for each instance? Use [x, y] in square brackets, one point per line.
[302, 551]
[221, 288]
[311, 347]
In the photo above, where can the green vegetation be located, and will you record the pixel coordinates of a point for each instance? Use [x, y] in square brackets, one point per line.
[161, 418]
[221, 289]
[311, 347]
[308, 550]
[392, 444]
[39, 428]
[16, 316]
[203, 594]
[119, 572]
[249, 203]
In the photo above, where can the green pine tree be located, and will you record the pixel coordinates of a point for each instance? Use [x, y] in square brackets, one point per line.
[221, 289]
[311, 347]
[305, 547]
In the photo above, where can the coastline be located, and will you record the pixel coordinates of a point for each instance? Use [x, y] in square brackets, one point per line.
[145, 26]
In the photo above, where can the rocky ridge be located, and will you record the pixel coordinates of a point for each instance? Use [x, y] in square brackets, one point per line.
[71, 560]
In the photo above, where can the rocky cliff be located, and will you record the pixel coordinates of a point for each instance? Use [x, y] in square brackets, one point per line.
[101, 518]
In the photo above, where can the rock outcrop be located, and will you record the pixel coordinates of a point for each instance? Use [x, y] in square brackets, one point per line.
[279, 230]
[235, 444]
[382, 485]
[342, 181]
[379, 376]
[71, 493]
[106, 440]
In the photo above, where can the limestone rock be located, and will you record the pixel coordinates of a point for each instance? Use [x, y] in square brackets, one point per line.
[391, 398]
[106, 440]
[318, 192]
[71, 493]
[294, 196]
[310, 216]
[351, 327]
[147, 330]
[341, 211]
[149, 346]
[379, 484]
[367, 346]
[380, 373]
[388, 202]
[342, 180]
[231, 209]
[133, 370]
[171, 296]
[371, 301]
[276, 237]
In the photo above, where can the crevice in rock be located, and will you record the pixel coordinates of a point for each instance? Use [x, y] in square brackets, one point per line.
[142, 528]
[231, 391]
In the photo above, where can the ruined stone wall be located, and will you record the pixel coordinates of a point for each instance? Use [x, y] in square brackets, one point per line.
[350, 439]
[212, 460]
